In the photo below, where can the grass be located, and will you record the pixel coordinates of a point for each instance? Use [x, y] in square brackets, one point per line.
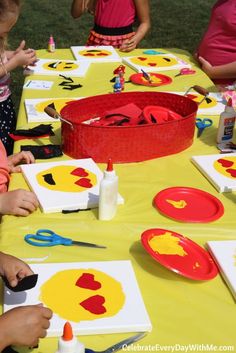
[172, 26]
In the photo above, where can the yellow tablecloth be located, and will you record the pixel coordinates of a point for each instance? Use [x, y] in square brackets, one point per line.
[183, 312]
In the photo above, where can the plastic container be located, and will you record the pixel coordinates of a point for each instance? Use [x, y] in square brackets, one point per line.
[226, 124]
[51, 44]
[108, 194]
[68, 343]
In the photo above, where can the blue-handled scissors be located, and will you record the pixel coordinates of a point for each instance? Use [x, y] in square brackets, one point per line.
[46, 237]
[202, 124]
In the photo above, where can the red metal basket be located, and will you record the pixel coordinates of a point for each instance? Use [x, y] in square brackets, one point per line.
[127, 143]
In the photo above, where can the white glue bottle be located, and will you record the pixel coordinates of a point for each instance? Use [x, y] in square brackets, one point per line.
[226, 123]
[108, 194]
[68, 343]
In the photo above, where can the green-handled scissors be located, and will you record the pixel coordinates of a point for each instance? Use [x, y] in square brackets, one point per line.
[46, 237]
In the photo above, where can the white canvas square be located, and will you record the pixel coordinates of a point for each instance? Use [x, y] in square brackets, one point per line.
[224, 253]
[96, 54]
[155, 63]
[214, 105]
[130, 316]
[35, 108]
[220, 169]
[38, 84]
[55, 67]
[68, 194]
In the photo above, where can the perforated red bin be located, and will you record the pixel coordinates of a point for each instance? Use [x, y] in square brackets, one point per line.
[126, 144]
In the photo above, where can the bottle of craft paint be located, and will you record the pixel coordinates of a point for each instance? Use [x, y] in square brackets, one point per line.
[226, 123]
[68, 343]
[51, 44]
[108, 194]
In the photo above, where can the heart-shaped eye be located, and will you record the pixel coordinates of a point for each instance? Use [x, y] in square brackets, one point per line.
[225, 163]
[84, 182]
[87, 281]
[232, 172]
[79, 172]
[94, 304]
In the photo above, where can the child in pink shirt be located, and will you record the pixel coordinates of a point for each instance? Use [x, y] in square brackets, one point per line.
[217, 50]
[114, 20]
[17, 202]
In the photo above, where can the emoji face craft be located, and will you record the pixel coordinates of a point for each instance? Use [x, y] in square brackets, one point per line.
[226, 166]
[95, 53]
[154, 60]
[60, 65]
[67, 178]
[83, 294]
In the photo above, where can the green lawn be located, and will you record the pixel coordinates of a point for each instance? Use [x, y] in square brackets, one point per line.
[172, 26]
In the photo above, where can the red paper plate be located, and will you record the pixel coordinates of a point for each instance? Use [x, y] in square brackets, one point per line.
[158, 79]
[188, 204]
[179, 254]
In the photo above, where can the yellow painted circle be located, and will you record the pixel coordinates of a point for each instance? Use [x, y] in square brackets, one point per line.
[58, 65]
[58, 103]
[67, 178]
[66, 298]
[207, 103]
[154, 61]
[226, 166]
[95, 53]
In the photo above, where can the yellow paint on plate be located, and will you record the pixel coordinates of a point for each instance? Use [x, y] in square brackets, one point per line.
[177, 204]
[166, 244]
[61, 294]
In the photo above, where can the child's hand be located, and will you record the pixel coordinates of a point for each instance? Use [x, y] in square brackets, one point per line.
[13, 268]
[25, 57]
[18, 203]
[23, 326]
[25, 157]
[129, 44]
[206, 66]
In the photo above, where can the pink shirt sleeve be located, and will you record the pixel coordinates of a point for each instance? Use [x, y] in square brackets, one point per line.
[4, 170]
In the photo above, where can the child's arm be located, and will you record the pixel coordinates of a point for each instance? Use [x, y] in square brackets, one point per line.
[11, 53]
[78, 7]
[23, 326]
[22, 157]
[142, 10]
[18, 202]
[218, 72]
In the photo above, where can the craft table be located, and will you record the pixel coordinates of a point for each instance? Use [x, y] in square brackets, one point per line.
[183, 312]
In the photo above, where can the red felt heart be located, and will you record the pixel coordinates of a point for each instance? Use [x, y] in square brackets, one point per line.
[94, 304]
[152, 64]
[142, 58]
[225, 163]
[232, 172]
[87, 281]
[79, 172]
[84, 182]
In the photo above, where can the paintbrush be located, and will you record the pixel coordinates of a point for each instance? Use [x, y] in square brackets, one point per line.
[146, 76]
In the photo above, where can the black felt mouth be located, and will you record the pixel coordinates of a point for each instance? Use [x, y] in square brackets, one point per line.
[25, 283]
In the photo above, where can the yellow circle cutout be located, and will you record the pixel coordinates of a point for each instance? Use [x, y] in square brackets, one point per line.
[82, 294]
[95, 53]
[226, 166]
[154, 61]
[60, 65]
[67, 178]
